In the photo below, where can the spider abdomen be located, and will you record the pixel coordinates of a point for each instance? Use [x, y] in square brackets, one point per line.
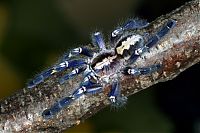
[128, 44]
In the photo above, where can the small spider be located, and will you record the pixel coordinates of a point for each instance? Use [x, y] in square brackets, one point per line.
[105, 66]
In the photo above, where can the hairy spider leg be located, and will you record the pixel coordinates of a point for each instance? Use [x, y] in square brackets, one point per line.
[78, 51]
[86, 90]
[90, 77]
[71, 75]
[153, 40]
[60, 67]
[88, 86]
[40, 78]
[69, 64]
[163, 31]
[97, 39]
[137, 53]
[115, 92]
[48, 113]
[131, 24]
[78, 92]
[115, 95]
[88, 83]
[142, 71]
[94, 89]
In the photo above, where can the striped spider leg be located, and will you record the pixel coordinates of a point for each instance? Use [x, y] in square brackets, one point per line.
[141, 71]
[131, 24]
[76, 52]
[115, 95]
[48, 113]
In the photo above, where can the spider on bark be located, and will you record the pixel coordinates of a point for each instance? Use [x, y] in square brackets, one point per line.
[105, 66]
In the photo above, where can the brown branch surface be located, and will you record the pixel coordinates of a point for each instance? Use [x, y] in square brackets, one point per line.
[177, 51]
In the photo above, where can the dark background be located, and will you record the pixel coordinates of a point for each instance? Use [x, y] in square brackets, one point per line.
[35, 33]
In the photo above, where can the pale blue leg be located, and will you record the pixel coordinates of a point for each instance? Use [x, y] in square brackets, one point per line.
[115, 92]
[71, 75]
[131, 24]
[60, 67]
[90, 77]
[137, 53]
[40, 78]
[79, 92]
[115, 95]
[97, 39]
[76, 52]
[49, 113]
[69, 64]
[58, 106]
[88, 83]
[163, 31]
[94, 89]
[142, 71]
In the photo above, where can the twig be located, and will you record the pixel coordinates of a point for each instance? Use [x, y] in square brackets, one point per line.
[177, 51]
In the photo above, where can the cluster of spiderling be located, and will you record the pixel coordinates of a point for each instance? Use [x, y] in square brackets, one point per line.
[106, 66]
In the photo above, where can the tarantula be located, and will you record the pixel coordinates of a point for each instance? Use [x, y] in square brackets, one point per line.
[105, 66]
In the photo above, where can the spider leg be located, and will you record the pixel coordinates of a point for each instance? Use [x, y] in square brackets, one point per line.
[48, 113]
[131, 24]
[163, 31]
[115, 92]
[115, 95]
[141, 71]
[94, 89]
[91, 84]
[76, 52]
[97, 39]
[40, 78]
[78, 92]
[137, 53]
[71, 75]
[153, 40]
[60, 67]
[69, 64]
[88, 83]
[90, 77]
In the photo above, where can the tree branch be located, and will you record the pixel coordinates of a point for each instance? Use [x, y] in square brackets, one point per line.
[177, 51]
